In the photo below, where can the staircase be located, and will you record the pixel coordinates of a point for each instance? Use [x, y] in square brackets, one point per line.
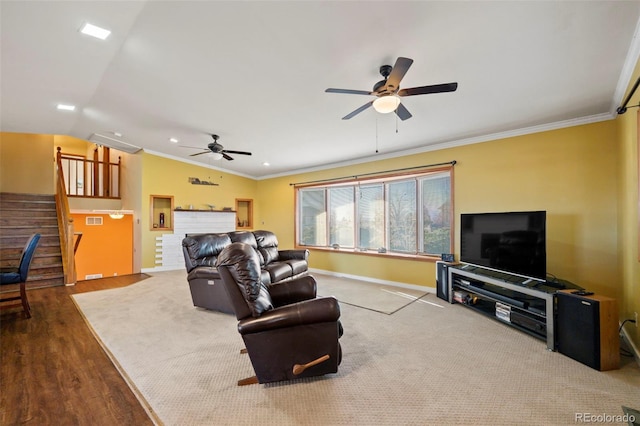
[20, 216]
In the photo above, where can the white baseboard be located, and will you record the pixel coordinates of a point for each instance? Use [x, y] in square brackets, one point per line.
[322, 271]
[634, 348]
[375, 280]
[161, 269]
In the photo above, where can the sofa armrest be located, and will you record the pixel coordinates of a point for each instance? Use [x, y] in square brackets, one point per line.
[203, 272]
[302, 254]
[293, 291]
[322, 309]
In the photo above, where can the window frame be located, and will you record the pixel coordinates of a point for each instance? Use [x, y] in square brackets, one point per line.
[384, 180]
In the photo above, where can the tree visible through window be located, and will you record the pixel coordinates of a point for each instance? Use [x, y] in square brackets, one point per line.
[396, 214]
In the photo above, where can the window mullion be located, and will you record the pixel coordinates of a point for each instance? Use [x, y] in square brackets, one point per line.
[419, 217]
[387, 233]
[327, 214]
[356, 216]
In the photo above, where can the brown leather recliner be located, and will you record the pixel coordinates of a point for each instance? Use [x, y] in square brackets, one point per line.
[200, 255]
[288, 332]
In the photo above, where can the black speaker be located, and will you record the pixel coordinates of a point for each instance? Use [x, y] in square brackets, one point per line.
[587, 329]
[442, 280]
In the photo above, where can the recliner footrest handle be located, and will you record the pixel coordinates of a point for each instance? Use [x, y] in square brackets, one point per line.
[299, 368]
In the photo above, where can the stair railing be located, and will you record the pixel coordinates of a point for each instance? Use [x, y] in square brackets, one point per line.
[65, 226]
[90, 178]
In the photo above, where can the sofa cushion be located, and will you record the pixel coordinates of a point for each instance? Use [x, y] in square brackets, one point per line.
[269, 254]
[267, 246]
[279, 271]
[203, 249]
[298, 266]
[265, 277]
[246, 237]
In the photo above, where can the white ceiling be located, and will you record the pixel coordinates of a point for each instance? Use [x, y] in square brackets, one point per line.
[255, 73]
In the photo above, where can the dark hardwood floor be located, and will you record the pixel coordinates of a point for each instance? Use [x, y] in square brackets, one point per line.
[52, 369]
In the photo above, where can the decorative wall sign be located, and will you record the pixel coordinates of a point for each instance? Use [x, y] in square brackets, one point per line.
[196, 181]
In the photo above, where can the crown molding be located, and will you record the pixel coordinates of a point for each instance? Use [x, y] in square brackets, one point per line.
[633, 54]
[454, 143]
[195, 163]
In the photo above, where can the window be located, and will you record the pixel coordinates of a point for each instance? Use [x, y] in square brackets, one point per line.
[401, 214]
[312, 229]
[342, 220]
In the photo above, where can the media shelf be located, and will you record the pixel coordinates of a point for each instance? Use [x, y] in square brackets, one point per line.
[523, 303]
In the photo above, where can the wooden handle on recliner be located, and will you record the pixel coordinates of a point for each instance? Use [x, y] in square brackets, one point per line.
[299, 368]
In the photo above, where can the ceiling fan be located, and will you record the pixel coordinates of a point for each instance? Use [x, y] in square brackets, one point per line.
[218, 150]
[388, 92]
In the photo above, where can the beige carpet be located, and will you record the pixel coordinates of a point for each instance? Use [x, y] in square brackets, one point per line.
[426, 364]
[376, 297]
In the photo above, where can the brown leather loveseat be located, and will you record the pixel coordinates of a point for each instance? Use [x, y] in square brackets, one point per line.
[201, 252]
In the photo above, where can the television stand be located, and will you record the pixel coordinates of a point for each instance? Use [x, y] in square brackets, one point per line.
[523, 303]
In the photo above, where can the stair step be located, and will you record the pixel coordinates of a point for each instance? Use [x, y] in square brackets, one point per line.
[16, 251]
[22, 215]
[36, 262]
[37, 281]
[12, 196]
[52, 281]
[21, 239]
[14, 222]
[37, 270]
[29, 205]
[13, 255]
[10, 231]
[11, 210]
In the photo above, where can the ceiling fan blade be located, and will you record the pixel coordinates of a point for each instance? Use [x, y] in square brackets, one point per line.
[227, 157]
[236, 152]
[403, 113]
[349, 92]
[397, 72]
[200, 153]
[358, 111]
[425, 90]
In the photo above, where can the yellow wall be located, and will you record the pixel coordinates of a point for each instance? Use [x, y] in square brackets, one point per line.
[164, 176]
[629, 215]
[26, 163]
[570, 173]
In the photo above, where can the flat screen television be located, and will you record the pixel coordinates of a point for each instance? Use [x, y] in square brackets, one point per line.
[514, 242]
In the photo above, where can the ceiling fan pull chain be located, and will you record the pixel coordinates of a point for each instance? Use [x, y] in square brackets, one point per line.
[376, 134]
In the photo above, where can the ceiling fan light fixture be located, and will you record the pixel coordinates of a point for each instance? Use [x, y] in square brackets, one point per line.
[386, 104]
[216, 155]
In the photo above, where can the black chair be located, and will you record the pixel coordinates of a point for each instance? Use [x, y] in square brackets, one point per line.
[18, 275]
[288, 332]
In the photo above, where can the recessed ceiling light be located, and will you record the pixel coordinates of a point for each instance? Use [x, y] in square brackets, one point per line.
[266, 164]
[66, 107]
[173, 140]
[95, 31]
[117, 134]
